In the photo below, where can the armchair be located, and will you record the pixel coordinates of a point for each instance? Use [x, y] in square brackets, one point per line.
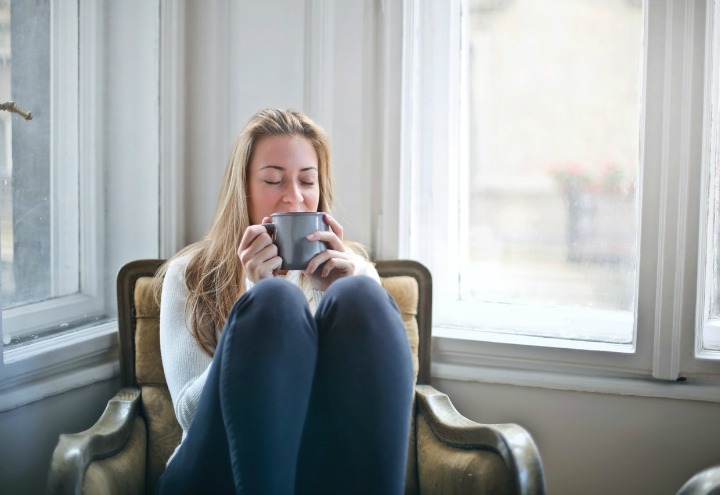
[128, 447]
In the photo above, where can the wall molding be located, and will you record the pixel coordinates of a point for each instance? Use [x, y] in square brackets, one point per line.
[636, 387]
[75, 359]
[319, 61]
[393, 108]
[172, 127]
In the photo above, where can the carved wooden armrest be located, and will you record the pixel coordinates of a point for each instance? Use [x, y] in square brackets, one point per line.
[108, 436]
[511, 442]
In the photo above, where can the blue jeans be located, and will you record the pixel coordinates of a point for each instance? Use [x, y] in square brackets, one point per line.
[301, 404]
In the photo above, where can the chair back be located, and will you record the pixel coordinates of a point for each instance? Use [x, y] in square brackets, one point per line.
[407, 281]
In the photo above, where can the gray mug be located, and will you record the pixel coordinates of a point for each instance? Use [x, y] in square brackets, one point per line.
[289, 231]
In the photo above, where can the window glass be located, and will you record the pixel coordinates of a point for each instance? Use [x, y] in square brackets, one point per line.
[40, 235]
[26, 208]
[553, 126]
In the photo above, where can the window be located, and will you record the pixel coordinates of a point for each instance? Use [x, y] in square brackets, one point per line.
[554, 156]
[89, 73]
[708, 341]
[551, 110]
[48, 281]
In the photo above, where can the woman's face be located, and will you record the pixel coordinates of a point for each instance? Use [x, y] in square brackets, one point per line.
[282, 177]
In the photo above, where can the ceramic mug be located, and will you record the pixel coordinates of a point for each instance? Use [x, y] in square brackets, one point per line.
[289, 231]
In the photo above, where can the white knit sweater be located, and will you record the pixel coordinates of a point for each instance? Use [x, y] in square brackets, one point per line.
[185, 363]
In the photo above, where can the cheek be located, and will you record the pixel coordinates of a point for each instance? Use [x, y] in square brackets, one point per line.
[260, 204]
[312, 199]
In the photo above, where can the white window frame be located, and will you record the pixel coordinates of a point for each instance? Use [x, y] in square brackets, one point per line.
[710, 163]
[665, 350]
[41, 368]
[76, 199]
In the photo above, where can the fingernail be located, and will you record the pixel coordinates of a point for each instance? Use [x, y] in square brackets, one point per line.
[310, 237]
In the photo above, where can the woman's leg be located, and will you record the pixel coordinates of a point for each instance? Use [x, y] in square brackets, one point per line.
[252, 410]
[357, 433]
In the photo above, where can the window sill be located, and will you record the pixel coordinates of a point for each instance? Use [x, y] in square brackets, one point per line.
[456, 357]
[71, 360]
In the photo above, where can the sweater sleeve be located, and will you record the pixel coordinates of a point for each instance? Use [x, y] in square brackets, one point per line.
[186, 364]
[365, 267]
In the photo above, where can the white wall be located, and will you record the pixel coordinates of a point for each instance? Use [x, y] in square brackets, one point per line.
[314, 56]
[599, 444]
[29, 434]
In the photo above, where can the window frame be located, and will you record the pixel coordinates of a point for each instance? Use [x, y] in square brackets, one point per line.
[710, 178]
[67, 360]
[76, 259]
[678, 46]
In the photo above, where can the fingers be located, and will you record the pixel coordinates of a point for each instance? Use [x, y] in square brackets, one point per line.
[250, 235]
[339, 267]
[333, 238]
[334, 226]
[258, 254]
[331, 260]
[329, 238]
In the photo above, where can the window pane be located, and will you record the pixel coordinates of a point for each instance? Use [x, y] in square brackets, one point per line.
[32, 213]
[554, 115]
[26, 268]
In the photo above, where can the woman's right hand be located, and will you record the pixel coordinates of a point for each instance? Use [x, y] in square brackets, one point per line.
[258, 254]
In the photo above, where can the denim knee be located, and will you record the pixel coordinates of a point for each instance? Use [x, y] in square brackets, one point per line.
[358, 298]
[361, 291]
[269, 302]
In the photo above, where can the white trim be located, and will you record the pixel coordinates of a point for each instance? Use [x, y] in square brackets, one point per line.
[172, 126]
[672, 239]
[615, 385]
[31, 318]
[469, 347]
[391, 184]
[90, 154]
[34, 372]
[319, 56]
[706, 285]
[64, 225]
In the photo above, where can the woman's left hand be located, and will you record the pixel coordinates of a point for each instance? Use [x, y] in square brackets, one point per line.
[332, 264]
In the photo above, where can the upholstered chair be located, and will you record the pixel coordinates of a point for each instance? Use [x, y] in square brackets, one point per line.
[127, 449]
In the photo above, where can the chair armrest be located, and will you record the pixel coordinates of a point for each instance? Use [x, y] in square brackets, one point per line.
[75, 451]
[706, 482]
[511, 442]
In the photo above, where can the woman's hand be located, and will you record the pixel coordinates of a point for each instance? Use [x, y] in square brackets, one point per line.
[333, 263]
[258, 254]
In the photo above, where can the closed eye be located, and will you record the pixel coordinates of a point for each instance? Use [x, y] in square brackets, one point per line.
[273, 182]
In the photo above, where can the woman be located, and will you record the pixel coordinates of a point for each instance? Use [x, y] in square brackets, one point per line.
[297, 382]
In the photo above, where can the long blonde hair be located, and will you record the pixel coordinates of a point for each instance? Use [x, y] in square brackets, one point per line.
[214, 276]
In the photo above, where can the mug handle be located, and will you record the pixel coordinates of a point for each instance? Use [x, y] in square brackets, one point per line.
[271, 229]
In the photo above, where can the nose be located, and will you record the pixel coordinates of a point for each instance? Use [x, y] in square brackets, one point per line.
[293, 195]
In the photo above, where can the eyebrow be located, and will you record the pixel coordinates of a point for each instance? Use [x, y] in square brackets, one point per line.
[278, 167]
